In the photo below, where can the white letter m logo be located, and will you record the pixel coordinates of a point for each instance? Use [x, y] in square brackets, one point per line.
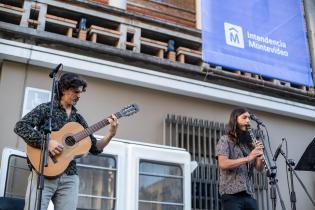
[234, 35]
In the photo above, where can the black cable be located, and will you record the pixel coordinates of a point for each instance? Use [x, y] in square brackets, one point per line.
[268, 139]
[287, 168]
[271, 152]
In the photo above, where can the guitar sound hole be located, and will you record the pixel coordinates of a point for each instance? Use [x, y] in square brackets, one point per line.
[70, 141]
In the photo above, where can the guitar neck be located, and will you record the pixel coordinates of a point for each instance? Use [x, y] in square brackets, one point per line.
[93, 128]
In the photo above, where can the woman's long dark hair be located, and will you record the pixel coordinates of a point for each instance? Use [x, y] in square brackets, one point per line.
[232, 127]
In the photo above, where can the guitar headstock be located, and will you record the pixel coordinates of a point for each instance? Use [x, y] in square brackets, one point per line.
[128, 110]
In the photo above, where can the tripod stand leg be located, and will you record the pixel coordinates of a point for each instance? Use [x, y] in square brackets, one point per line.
[274, 204]
[273, 196]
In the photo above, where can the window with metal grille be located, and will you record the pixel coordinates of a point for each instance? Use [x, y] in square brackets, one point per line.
[97, 182]
[199, 138]
[160, 186]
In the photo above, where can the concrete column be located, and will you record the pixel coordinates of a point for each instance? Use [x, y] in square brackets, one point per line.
[26, 15]
[42, 17]
[309, 8]
[198, 14]
[123, 36]
[11, 104]
[122, 4]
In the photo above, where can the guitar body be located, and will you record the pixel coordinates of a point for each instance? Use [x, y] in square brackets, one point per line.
[59, 163]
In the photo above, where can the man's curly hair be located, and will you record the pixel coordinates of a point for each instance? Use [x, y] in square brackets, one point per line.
[70, 81]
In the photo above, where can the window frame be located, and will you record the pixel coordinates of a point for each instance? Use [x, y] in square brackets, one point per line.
[114, 199]
[182, 204]
[27, 98]
[6, 155]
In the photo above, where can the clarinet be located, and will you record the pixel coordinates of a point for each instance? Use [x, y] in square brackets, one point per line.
[254, 144]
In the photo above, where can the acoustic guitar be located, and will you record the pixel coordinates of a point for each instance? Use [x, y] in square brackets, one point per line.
[76, 142]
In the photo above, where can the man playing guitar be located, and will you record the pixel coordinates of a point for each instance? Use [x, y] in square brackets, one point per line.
[63, 189]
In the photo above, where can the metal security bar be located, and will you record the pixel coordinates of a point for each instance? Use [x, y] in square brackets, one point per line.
[199, 138]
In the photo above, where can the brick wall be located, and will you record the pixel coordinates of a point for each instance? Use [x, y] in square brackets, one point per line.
[181, 12]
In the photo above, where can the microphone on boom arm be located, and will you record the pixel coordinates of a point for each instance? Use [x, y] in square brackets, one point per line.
[256, 119]
[278, 151]
[55, 70]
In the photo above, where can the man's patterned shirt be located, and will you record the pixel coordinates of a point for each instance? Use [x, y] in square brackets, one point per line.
[31, 126]
[237, 179]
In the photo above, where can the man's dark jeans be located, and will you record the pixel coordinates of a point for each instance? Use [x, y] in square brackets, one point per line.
[238, 201]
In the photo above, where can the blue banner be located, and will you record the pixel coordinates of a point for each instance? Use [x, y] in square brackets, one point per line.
[265, 37]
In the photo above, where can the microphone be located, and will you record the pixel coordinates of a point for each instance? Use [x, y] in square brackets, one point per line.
[278, 151]
[257, 120]
[55, 70]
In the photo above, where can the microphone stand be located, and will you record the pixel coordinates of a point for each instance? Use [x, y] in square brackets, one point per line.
[46, 137]
[290, 163]
[271, 174]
